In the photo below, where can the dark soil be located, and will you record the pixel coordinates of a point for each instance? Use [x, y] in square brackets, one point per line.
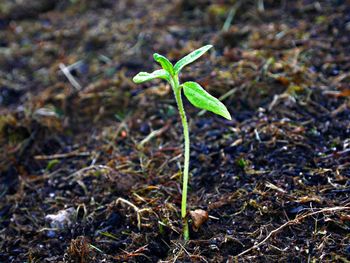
[277, 176]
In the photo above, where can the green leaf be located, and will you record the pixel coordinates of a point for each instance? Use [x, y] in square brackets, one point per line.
[164, 62]
[144, 76]
[190, 58]
[203, 100]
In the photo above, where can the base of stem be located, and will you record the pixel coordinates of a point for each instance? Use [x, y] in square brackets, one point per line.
[185, 229]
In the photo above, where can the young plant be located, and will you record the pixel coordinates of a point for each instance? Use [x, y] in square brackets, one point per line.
[196, 95]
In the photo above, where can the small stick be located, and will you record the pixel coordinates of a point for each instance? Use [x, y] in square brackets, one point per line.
[261, 6]
[81, 172]
[61, 155]
[294, 222]
[230, 16]
[136, 209]
[69, 76]
[153, 134]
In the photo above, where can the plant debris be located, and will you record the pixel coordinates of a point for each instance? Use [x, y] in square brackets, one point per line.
[199, 217]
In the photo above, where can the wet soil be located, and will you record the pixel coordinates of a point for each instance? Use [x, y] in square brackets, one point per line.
[80, 183]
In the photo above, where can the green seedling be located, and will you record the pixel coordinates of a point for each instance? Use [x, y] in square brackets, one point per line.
[196, 95]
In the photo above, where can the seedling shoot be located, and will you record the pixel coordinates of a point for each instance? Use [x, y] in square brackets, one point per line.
[196, 95]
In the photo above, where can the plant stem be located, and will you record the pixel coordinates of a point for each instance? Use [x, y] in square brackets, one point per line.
[177, 92]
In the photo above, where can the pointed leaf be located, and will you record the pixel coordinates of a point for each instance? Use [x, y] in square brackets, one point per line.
[203, 100]
[190, 58]
[144, 76]
[164, 62]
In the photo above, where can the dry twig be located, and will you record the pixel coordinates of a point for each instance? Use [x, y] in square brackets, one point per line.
[136, 209]
[294, 222]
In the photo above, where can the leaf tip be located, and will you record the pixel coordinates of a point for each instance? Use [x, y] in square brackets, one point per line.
[156, 56]
[138, 78]
[227, 115]
[135, 79]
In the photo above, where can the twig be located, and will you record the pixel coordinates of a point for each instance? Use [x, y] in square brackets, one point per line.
[69, 76]
[334, 155]
[230, 16]
[81, 172]
[152, 135]
[61, 155]
[293, 222]
[136, 253]
[261, 6]
[136, 209]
